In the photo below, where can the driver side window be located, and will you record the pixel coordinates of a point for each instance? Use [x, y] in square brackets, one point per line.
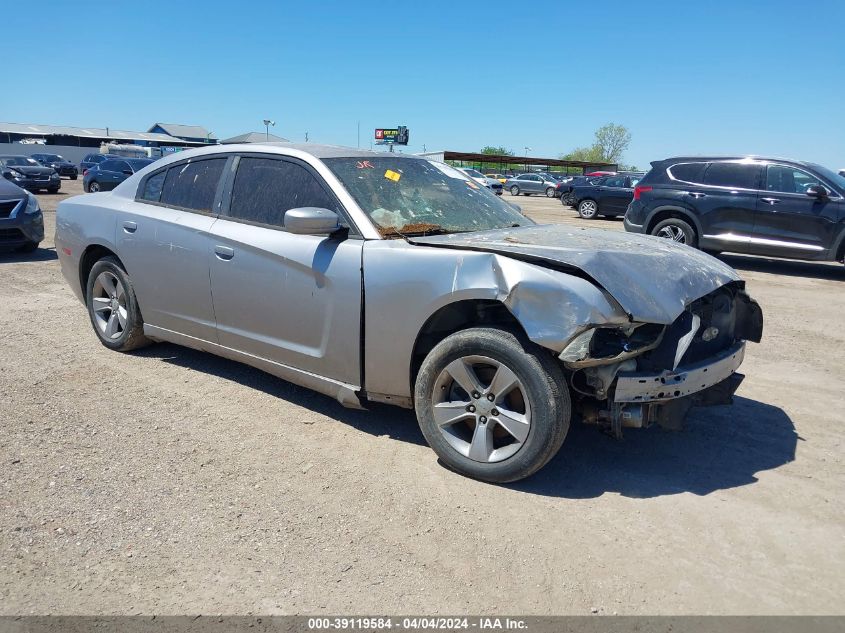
[783, 179]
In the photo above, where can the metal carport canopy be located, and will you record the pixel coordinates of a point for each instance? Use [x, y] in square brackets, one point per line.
[525, 160]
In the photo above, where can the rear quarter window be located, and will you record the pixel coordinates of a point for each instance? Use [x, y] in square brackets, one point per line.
[151, 189]
[688, 172]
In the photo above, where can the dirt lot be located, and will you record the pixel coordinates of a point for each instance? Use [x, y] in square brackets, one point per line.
[170, 481]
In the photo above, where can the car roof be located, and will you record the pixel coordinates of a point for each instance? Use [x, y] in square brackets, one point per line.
[755, 157]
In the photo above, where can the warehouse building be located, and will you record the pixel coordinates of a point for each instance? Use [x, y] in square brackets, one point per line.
[75, 142]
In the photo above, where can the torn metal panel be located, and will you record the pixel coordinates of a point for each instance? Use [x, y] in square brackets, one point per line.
[651, 278]
[552, 307]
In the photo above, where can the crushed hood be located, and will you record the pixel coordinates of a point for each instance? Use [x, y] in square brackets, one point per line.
[652, 278]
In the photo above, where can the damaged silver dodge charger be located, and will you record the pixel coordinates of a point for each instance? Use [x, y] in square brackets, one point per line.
[388, 278]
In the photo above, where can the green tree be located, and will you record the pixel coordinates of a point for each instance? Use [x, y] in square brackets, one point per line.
[611, 141]
[490, 149]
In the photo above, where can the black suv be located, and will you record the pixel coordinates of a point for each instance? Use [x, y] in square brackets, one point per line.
[760, 206]
[63, 167]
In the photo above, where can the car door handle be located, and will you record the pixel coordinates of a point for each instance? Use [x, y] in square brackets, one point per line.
[130, 227]
[696, 194]
[770, 200]
[224, 252]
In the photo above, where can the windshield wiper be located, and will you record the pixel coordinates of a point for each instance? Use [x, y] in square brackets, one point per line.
[417, 229]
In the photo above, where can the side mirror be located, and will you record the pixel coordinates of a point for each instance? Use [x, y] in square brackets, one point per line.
[816, 191]
[311, 221]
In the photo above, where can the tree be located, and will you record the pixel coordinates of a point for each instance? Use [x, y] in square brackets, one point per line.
[610, 144]
[611, 141]
[489, 149]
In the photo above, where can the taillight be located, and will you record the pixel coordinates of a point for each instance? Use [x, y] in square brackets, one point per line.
[639, 190]
[84, 171]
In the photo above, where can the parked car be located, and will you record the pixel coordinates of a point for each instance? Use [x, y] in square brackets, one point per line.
[762, 206]
[500, 177]
[842, 172]
[26, 172]
[21, 220]
[531, 184]
[608, 196]
[483, 180]
[375, 277]
[63, 167]
[601, 173]
[92, 159]
[563, 190]
[106, 175]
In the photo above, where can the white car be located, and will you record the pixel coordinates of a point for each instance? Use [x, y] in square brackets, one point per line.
[481, 179]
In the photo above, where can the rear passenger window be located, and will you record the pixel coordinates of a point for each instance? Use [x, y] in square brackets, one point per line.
[266, 187]
[193, 185]
[688, 172]
[734, 175]
[109, 165]
[153, 186]
[614, 182]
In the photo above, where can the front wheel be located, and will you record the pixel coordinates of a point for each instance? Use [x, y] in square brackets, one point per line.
[588, 209]
[113, 307]
[676, 230]
[492, 405]
[550, 192]
[514, 190]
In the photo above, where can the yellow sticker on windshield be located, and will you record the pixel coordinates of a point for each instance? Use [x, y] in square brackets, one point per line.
[392, 175]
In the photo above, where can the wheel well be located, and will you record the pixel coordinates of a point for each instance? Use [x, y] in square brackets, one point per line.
[454, 318]
[91, 256]
[670, 213]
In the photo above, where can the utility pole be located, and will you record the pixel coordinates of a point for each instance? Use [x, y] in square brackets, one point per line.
[267, 124]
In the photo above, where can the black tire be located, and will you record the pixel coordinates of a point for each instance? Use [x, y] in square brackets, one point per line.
[514, 190]
[132, 334]
[567, 199]
[588, 209]
[74, 177]
[550, 192]
[93, 187]
[538, 373]
[677, 230]
[54, 189]
[29, 247]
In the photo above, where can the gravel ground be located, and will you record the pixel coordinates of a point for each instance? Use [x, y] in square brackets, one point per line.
[170, 481]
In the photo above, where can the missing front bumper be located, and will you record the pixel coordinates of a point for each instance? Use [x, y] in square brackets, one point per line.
[680, 383]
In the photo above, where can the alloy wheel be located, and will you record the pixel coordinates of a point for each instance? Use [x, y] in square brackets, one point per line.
[108, 297]
[673, 232]
[94, 187]
[481, 408]
[587, 209]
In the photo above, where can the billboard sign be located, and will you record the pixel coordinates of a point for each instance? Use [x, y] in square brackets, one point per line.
[393, 136]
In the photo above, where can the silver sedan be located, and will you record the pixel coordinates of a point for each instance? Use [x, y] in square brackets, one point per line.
[531, 184]
[388, 278]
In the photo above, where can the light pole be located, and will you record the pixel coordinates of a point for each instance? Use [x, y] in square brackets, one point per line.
[267, 124]
[527, 149]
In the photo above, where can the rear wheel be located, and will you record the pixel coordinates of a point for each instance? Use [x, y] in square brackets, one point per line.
[514, 190]
[676, 230]
[550, 192]
[588, 209]
[113, 307]
[53, 190]
[74, 177]
[93, 186]
[492, 405]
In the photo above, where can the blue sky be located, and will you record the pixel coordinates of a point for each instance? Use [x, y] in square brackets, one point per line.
[684, 77]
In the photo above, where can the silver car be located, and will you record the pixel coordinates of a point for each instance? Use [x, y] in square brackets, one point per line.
[391, 278]
[532, 184]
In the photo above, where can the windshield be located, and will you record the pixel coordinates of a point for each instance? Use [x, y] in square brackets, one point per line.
[20, 161]
[53, 158]
[408, 196]
[832, 176]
